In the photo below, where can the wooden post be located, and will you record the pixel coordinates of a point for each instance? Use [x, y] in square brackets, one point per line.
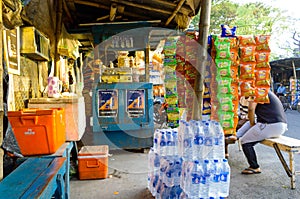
[1, 92]
[201, 61]
[57, 35]
[294, 70]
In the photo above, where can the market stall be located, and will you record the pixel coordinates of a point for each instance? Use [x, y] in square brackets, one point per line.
[58, 49]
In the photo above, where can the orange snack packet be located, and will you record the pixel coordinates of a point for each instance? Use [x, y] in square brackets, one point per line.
[261, 95]
[262, 56]
[247, 70]
[262, 43]
[262, 77]
[247, 53]
[262, 39]
[247, 88]
[263, 65]
[245, 40]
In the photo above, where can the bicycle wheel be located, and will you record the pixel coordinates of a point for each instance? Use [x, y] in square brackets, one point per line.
[284, 102]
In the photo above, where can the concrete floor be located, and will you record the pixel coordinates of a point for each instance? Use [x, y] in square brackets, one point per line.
[128, 174]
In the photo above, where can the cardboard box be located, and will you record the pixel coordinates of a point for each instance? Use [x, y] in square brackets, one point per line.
[38, 131]
[93, 162]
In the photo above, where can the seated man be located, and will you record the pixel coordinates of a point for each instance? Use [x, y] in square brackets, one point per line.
[281, 90]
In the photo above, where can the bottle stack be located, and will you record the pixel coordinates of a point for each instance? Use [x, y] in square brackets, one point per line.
[189, 162]
[164, 165]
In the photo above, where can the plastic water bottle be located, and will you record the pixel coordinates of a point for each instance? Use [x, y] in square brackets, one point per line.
[180, 137]
[187, 143]
[163, 167]
[183, 175]
[187, 178]
[169, 174]
[204, 180]
[156, 138]
[183, 195]
[177, 171]
[175, 137]
[198, 142]
[208, 141]
[194, 180]
[219, 146]
[224, 179]
[153, 184]
[170, 143]
[163, 144]
[151, 159]
[165, 192]
[159, 189]
[215, 179]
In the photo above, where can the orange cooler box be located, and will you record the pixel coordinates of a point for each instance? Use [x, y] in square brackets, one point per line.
[93, 162]
[38, 131]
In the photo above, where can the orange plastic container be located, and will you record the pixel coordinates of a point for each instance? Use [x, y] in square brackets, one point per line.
[93, 162]
[38, 131]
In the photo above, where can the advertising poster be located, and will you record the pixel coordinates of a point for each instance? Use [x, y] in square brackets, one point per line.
[107, 103]
[136, 103]
[11, 43]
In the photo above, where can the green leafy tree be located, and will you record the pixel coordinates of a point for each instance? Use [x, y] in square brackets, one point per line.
[250, 19]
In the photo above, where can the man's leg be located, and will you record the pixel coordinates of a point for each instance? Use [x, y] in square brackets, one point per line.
[250, 154]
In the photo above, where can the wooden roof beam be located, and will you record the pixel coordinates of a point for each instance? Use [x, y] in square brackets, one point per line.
[175, 12]
[98, 5]
[145, 7]
[67, 11]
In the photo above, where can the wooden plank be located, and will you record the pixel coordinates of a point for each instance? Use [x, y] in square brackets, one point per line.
[13, 186]
[62, 151]
[285, 143]
[45, 185]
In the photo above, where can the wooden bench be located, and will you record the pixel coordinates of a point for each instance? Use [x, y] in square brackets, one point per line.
[41, 177]
[292, 147]
[33, 161]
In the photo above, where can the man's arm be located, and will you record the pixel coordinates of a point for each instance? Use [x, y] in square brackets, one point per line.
[251, 112]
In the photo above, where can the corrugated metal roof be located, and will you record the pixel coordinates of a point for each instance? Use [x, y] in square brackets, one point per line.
[285, 64]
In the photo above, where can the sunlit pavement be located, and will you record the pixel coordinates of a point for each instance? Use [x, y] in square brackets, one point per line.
[128, 174]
